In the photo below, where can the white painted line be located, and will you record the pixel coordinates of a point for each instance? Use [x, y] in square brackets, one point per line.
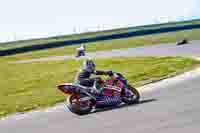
[170, 81]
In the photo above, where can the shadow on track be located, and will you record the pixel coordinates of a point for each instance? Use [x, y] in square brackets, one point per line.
[122, 106]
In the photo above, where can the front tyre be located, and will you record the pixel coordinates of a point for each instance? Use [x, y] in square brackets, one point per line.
[79, 104]
[132, 97]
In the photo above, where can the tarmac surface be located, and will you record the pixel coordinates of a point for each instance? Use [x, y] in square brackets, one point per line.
[171, 49]
[168, 106]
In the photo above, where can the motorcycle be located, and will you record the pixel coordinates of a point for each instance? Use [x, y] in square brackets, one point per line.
[182, 42]
[113, 91]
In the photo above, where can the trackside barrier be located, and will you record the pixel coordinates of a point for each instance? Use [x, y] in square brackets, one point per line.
[97, 38]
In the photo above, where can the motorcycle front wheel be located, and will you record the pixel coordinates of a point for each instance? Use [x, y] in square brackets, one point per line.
[79, 104]
[133, 98]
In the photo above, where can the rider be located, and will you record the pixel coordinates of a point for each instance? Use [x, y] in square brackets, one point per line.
[88, 68]
[81, 49]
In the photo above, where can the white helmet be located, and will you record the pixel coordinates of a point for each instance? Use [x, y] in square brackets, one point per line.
[88, 65]
[83, 45]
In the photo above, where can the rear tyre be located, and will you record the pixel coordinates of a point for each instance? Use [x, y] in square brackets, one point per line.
[132, 99]
[79, 107]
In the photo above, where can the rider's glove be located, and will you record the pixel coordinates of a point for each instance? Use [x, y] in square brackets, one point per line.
[110, 73]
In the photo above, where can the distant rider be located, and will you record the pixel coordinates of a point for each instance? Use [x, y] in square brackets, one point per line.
[81, 51]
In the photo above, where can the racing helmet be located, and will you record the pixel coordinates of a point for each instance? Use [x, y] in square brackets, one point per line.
[88, 65]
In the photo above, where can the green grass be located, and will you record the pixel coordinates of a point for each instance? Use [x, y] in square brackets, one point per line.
[29, 86]
[114, 44]
[31, 42]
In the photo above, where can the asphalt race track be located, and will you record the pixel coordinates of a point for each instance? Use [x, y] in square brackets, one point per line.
[168, 106]
[171, 106]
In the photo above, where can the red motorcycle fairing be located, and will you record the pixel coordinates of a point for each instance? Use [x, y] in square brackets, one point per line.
[111, 91]
[113, 88]
[117, 83]
[111, 95]
[67, 88]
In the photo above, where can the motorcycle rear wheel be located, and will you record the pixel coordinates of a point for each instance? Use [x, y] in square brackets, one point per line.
[76, 106]
[133, 99]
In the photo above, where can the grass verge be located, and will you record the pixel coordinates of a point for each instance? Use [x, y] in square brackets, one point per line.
[25, 87]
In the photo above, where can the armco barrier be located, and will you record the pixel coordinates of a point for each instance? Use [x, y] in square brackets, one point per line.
[97, 38]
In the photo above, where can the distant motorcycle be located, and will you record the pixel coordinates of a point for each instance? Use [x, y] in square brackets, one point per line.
[81, 100]
[182, 42]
